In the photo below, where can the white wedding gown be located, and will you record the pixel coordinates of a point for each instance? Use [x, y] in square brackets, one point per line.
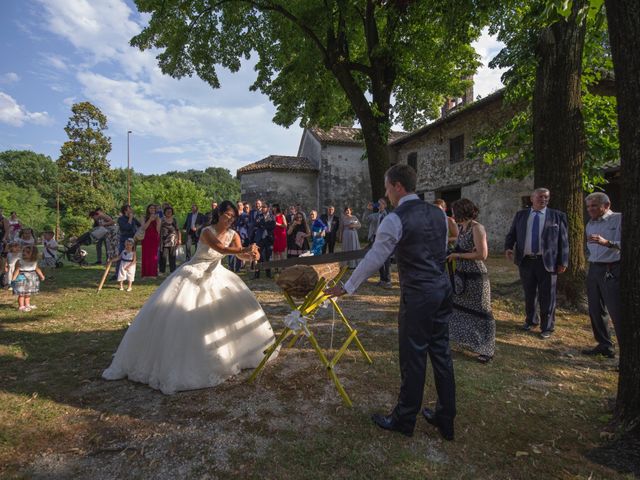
[201, 326]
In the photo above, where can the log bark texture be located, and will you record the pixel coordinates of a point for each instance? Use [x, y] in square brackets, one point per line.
[299, 280]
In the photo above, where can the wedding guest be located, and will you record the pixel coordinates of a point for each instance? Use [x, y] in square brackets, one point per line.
[604, 236]
[298, 234]
[5, 230]
[332, 221]
[14, 253]
[27, 277]
[279, 233]
[452, 227]
[209, 217]
[25, 237]
[100, 242]
[385, 270]
[253, 214]
[49, 251]
[15, 225]
[127, 264]
[241, 227]
[263, 235]
[318, 232]
[111, 235]
[170, 238]
[291, 214]
[472, 324]
[191, 227]
[128, 225]
[349, 234]
[370, 216]
[150, 243]
[538, 242]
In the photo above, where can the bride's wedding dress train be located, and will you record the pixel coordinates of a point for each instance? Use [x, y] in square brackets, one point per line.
[201, 326]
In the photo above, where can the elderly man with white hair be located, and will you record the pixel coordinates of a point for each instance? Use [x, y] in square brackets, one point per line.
[603, 232]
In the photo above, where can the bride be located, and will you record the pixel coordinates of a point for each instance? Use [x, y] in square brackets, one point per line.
[202, 325]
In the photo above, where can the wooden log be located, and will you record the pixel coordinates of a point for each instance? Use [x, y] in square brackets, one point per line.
[299, 280]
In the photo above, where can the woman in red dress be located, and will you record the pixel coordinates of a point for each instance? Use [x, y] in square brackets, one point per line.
[150, 243]
[279, 234]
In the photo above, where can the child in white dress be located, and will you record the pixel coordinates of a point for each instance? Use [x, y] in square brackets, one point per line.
[26, 278]
[127, 268]
[13, 255]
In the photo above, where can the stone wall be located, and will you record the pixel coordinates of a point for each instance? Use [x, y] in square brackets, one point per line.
[345, 178]
[499, 201]
[283, 187]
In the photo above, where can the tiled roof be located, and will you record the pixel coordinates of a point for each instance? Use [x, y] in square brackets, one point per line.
[346, 135]
[279, 162]
[497, 95]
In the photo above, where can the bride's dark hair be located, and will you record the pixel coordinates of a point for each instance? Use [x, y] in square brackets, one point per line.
[223, 207]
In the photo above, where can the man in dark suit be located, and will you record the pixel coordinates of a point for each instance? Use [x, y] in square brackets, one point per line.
[263, 235]
[332, 221]
[208, 218]
[191, 229]
[425, 301]
[538, 242]
[253, 214]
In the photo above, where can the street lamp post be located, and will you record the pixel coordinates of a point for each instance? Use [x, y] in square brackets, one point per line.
[128, 171]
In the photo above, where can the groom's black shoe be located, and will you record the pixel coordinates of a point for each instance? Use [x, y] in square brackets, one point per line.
[388, 423]
[445, 428]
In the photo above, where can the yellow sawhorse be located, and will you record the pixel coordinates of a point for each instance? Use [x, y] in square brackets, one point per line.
[307, 311]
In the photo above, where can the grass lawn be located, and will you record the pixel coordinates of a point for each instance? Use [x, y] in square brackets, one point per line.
[535, 411]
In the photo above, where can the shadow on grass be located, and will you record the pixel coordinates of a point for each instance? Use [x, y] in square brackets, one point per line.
[622, 454]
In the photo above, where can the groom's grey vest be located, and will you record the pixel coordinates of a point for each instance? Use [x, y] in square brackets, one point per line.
[422, 251]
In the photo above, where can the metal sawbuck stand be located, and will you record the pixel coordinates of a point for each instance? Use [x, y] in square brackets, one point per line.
[307, 310]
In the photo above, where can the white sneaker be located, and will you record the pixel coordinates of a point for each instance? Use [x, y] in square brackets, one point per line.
[32, 307]
[22, 309]
[121, 288]
[129, 289]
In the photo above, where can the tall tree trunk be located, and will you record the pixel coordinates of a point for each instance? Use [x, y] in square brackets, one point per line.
[377, 158]
[558, 136]
[624, 25]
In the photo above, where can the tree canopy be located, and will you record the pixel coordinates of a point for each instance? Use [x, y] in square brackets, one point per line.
[84, 170]
[327, 62]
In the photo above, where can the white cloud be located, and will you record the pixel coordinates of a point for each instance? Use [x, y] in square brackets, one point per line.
[56, 61]
[101, 28]
[17, 115]
[487, 80]
[10, 77]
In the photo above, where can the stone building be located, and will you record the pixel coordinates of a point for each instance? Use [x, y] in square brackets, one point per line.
[280, 179]
[439, 153]
[330, 169]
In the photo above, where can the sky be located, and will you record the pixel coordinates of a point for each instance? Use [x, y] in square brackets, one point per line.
[54, 53]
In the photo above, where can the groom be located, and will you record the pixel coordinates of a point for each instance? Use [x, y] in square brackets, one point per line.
[417, 232]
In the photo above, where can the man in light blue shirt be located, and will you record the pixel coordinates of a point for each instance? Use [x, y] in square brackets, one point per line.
[603, 232]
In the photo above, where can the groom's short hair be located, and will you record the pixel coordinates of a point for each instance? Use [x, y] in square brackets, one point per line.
[403, 174]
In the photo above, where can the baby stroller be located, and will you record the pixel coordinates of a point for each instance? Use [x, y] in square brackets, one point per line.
[73, 251]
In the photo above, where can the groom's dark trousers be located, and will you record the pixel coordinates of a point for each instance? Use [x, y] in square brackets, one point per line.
[425, 308]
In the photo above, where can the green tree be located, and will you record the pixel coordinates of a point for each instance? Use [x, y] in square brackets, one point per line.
[327, 62]
[564, 133]
[31, 207]
[25, 169]
[218, 183]
[179, 193]
[624, 25]
[83, 165]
